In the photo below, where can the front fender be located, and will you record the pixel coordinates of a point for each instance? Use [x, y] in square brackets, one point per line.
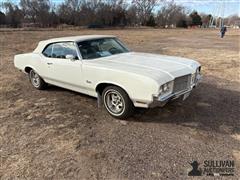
[138, 88]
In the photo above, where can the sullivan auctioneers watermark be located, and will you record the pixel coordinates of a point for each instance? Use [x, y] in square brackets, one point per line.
[212, 168]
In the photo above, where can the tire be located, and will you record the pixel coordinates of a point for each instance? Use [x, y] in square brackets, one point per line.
[117, 102]
[36, 80]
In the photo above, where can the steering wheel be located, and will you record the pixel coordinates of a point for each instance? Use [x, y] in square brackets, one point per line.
[113, 50]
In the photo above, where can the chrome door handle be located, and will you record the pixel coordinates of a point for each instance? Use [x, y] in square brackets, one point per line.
[49, 63]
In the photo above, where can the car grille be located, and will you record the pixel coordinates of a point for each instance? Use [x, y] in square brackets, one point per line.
[181, 83]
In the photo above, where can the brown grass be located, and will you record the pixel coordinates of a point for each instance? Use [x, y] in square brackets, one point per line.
[59, 134]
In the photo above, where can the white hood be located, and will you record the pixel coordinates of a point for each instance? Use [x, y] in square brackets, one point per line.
[158, 67]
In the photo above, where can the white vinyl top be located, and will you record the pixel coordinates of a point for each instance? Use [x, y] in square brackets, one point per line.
[42, 44]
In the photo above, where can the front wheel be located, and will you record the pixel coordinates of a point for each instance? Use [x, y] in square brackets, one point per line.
[36, 80]
[117, 102]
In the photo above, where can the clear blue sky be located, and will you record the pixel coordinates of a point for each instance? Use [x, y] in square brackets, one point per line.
[225, 7]
[228, 7]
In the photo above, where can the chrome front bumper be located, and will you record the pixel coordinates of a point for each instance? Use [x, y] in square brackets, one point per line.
[161, 101]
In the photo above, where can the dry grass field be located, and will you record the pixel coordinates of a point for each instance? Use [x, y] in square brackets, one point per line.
[60, 134]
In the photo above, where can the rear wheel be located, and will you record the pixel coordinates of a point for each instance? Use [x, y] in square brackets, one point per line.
[36, 80]
[117, 102]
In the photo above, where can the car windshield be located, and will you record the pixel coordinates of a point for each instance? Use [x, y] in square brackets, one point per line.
[103, 47]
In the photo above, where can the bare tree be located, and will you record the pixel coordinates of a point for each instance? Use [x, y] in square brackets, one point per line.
[102, 13]
[131, 16]
[233, 20]
[65, 14]
[2, 18]
[14, 15]
[145, 8]
[77, 12]
[99, 13]
[206, 18]
[171, 14]
[119, 14]
[36, 11]
[87, 14]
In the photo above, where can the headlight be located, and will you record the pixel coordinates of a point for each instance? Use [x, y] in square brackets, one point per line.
[166, 88]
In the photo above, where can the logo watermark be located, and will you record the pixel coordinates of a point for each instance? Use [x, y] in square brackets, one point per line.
[212, 168]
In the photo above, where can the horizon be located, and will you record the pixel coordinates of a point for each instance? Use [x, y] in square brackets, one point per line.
[220, 8]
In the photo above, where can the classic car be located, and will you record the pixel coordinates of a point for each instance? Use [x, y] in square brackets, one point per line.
[103, 67]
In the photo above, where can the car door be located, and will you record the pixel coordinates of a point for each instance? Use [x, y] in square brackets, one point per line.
[62, 70]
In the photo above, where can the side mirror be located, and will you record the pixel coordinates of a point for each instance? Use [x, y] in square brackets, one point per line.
[70, 56]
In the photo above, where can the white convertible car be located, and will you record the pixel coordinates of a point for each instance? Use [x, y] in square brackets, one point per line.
[103, 67]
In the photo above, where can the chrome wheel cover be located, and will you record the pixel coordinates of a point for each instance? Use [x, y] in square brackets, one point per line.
[35, 79]
[114, 102]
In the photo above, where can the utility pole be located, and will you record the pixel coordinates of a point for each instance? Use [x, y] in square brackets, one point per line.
[218, 16]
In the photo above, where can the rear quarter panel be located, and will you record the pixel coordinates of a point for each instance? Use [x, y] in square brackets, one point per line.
[32, 60]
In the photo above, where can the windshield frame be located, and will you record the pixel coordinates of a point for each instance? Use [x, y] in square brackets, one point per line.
[127, 50]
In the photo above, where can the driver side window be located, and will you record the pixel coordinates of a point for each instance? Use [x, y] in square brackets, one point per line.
[61, 50]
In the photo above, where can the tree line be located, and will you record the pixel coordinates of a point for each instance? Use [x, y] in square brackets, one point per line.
[99, 13]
